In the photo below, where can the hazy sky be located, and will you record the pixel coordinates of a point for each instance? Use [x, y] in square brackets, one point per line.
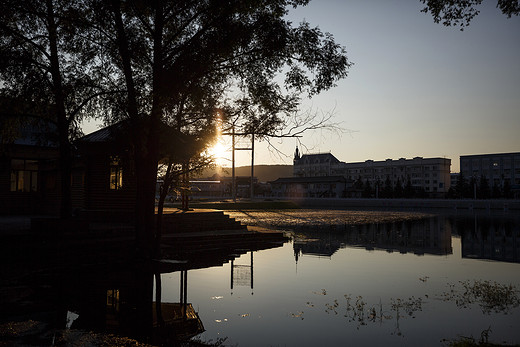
[417, 88]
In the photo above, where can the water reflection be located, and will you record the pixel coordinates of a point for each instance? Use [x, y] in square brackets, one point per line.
[424, 236]
[484, 237]
[382, 280]
[122, 299]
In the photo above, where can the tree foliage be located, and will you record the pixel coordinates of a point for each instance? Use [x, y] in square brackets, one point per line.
[176, 63]
[45, 63]
[461, 12]
[184, 62]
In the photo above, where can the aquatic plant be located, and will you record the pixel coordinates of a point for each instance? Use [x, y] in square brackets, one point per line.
[489, 296]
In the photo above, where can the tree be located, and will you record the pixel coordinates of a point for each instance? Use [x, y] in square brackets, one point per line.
[388, 190]
[398, 189]
[484, 191]
[471, 188]
[496, 193]
[408, 188]
[358, 184]
[368, 191]
[178, 59]
[44, 62]
[507, 191]
[462, 188]
[461, 12]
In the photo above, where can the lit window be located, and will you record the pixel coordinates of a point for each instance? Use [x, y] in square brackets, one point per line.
[116, 173]
[24, 175]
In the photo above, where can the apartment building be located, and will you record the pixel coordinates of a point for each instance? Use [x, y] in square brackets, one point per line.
[430, 174]
[499, 168]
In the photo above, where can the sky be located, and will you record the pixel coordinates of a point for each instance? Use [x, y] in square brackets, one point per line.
[416, 88]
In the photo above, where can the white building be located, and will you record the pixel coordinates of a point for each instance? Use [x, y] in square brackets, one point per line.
[430, 174]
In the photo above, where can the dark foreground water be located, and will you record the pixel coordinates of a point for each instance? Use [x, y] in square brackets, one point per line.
[424, 280]
[401, 283]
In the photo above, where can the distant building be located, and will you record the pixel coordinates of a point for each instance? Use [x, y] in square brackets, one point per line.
[429, 174]
[500, 169]
[312, 165]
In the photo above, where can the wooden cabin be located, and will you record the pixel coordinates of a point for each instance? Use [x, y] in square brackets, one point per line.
[102, 178]
[28, 167]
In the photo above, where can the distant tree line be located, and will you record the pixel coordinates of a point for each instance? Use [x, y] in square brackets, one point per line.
[480, 189]
[464, 189]
[387, 190]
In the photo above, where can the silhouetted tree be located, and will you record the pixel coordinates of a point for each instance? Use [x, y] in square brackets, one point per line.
[495, 192]
[45, 61]
[461, 12]
[408, 188]
[368, 191]
[359, 183]
[398, 189]
[472, 188]
[462, 188]
[388, 190]
[507, 192]
[177, 59]
[484, 192]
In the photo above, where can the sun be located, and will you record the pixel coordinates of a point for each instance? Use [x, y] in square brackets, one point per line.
[219, 152]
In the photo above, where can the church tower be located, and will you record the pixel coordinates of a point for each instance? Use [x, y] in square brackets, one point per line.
[296, 154]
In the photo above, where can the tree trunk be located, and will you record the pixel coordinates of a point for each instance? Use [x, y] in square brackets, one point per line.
[145, 144]
[65, 150]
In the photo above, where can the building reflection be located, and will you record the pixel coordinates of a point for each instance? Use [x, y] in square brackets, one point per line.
[424, 236]
[242, 275]
[121, 301]
[484, 237]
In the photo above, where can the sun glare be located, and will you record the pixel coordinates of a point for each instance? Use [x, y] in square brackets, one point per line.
[218, 152]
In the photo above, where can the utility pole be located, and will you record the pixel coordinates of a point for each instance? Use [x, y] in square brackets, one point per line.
[233, 189]
[252, 165]
[233, 149]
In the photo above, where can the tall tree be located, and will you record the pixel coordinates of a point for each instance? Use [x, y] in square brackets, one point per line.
[174, 56]
[45, 62]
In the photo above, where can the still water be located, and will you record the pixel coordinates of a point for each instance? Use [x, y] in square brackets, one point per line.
[420, 282]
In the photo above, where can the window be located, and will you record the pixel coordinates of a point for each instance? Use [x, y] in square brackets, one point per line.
[24, 175]
[116, 173]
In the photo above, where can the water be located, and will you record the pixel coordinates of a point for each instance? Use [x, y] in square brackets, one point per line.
[405, 280]
[389, 283]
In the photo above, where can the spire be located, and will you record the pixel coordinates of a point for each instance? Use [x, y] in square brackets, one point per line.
[296, 154]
